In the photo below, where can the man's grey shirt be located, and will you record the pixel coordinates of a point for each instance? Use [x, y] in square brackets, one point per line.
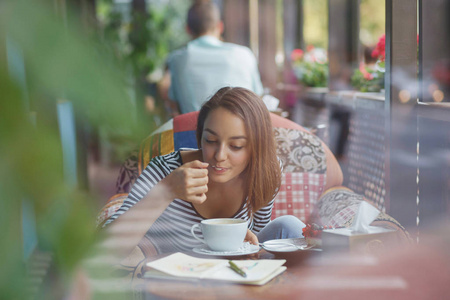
[207, 64]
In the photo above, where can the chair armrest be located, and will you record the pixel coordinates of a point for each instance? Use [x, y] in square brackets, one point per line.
[110, 208]
[339, 205]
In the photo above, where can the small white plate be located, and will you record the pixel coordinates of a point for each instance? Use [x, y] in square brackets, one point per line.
[285, 245]
[244, 250]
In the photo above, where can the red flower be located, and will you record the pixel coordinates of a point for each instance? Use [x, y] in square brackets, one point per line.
[312, 231]
[296, 54]
[379, 51]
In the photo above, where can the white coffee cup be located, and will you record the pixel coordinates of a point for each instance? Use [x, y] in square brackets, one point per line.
[222, 234]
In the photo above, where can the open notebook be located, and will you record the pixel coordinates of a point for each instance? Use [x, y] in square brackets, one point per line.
[184, 267]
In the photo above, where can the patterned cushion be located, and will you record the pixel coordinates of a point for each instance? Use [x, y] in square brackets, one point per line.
[304, 177]
[298, 194]
[300, 151]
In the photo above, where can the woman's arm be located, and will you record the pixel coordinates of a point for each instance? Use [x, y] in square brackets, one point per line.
[188, 182]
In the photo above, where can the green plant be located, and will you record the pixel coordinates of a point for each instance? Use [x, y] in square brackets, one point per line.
[310, 68]
[365, 79]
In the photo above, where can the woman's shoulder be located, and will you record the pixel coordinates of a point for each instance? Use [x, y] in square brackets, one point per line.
[170, 161]
[172, 156]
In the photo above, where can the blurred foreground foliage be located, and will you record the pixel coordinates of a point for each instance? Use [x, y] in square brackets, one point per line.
[61, 63]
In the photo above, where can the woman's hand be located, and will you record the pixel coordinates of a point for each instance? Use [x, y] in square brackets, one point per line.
[251, 238]
[188, 182]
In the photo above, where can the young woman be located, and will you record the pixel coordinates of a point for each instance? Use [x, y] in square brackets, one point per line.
[235, 173]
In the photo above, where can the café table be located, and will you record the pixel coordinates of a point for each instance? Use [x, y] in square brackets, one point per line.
[418, 272]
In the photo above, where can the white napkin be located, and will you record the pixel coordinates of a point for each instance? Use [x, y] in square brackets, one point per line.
[271, 102]
[365, 215]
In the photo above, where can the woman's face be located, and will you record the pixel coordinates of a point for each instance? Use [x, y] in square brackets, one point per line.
[225, 145]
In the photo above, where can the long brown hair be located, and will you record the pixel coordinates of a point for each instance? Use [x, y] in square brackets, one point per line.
[263, 174]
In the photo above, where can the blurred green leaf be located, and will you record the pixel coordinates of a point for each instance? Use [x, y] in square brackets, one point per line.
[62, 62]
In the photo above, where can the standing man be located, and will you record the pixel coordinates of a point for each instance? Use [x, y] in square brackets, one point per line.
[206, 64]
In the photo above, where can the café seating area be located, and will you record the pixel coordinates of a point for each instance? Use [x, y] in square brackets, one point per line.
[311, 186]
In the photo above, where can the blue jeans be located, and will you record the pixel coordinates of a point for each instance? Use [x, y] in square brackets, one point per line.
[284, 227]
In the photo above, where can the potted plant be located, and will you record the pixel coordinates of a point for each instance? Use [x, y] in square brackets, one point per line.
[370, 78]
[310, 67]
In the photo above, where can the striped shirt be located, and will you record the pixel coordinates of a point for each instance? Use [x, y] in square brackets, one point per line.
[172, 230]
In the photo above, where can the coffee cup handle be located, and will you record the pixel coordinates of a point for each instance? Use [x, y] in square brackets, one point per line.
[194, 235]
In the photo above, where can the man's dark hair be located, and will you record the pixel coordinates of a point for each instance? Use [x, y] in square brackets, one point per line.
[202, 17]
[368, 58]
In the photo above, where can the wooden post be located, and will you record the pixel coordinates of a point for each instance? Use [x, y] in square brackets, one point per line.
[343, 26]
[254, 26]
[433, 121]
[88, 14]
[293, 38]
[293, 26]
[401, 97]
[236, 21]
[434, 39]
[268, 43]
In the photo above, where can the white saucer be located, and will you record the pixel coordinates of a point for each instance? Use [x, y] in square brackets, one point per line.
[244, 250]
